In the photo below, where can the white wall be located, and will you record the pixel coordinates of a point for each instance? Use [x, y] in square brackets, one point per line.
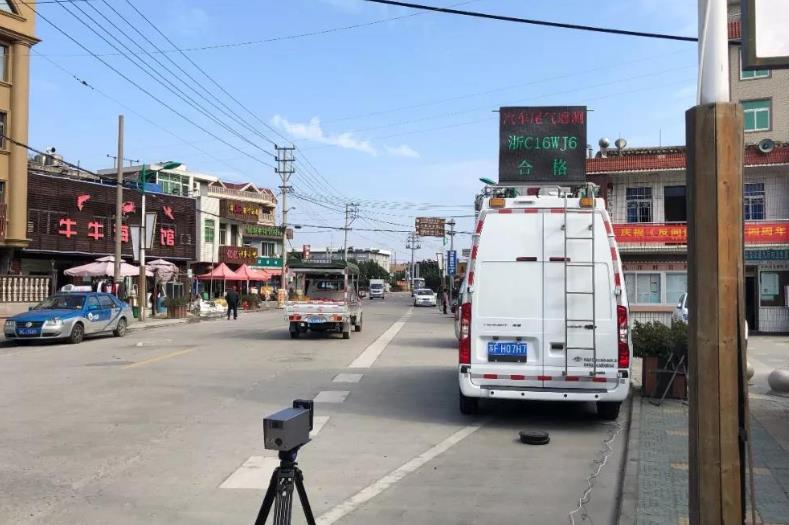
[209, 209]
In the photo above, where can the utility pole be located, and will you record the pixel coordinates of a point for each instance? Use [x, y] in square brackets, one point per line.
[412, 244]
[119, 206]
[351, 214]
[718, 392]
[451, 233]
[284, 169]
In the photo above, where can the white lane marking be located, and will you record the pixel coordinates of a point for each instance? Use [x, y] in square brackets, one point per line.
[317, 425]
[347, 378]
[372, 352]
[371, 491]
[331, 396]
[255, 473]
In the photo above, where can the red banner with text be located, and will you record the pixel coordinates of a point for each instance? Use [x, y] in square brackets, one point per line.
[755, 233]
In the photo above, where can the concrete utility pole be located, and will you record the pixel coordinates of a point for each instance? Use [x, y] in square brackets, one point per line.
[451, 233]
[351, 214]
[119, 204]
[717, 400]
[284, 169]
[412, 244]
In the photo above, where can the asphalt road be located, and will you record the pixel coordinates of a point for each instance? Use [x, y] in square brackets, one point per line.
[165, 427]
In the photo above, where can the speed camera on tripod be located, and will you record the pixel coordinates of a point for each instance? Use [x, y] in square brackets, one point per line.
[290, 428]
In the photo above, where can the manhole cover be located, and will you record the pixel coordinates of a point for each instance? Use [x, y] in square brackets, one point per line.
[110, 363]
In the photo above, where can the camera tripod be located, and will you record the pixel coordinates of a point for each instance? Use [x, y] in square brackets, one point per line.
[280, 491]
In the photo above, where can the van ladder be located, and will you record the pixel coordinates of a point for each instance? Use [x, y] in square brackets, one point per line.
[587, 321]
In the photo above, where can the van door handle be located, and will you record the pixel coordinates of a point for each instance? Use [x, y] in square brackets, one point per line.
[589, 326]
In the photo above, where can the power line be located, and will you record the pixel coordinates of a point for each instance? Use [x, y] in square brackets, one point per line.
[141, 88]
[533, 21]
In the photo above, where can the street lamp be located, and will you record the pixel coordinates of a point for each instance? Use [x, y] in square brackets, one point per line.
[144, 229]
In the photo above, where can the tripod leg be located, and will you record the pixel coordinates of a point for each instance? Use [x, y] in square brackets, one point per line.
[265, 508]
[283, 504]
[305, 503]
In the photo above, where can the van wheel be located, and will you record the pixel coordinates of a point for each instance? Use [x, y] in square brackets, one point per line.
[294, 331]
[358, 326]
[77, 334]
[608, 410]
[468, 405]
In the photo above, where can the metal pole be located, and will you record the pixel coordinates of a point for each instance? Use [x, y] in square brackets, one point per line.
[713, 52]
[345, 243]
[284, 169]
[143, 240]
[119, 204]
[451, 223]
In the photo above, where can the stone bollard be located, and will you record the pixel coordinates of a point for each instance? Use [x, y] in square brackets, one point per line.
[779, 380]
[749, 371]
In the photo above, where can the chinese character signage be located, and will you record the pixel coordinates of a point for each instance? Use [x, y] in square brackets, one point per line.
[755, 233]
[238, 254]
[767, 255]
[239, 211]
[261, 231]
[430, 226]
[452, 262]
[542, 144]
[269, 262]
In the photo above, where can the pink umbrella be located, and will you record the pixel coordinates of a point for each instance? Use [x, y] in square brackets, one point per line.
[251, 274]
[221, 273]
[105, 267]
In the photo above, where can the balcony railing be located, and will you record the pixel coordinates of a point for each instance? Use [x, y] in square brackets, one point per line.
[242, 195]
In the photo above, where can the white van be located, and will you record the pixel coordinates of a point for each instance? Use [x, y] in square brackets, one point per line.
[545, 320]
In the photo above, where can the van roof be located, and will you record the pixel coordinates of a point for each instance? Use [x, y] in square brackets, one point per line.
[541, 201]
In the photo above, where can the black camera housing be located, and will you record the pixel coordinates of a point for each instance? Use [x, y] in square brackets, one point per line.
[290, 428]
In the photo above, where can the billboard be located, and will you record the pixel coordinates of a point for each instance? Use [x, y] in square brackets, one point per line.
[764, 42]
[542, 144]
[430, 226]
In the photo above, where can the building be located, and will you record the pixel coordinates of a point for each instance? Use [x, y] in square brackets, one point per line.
[17, 36]
[382, 257]
[235, 222]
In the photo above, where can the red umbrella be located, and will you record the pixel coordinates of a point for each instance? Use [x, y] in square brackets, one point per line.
[221, 273]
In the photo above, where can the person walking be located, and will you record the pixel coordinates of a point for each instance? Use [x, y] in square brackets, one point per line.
[444, 299]
[232, 299]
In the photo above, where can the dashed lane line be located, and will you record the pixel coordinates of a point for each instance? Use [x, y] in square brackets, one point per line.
[331, 396]
[372, 352]
[347, 378]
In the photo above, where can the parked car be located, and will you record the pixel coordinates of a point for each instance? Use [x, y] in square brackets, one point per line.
[681, 310]
[424, 297]
[70, 316]
[548, 316]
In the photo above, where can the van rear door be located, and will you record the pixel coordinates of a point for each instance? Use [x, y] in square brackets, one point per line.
[571, 364]
[507, 301]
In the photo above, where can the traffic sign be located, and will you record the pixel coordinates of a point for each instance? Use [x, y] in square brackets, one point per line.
[542, 144]
[452, 261]
[430, 226]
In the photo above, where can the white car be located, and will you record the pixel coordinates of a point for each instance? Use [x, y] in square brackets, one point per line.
[424, 297]
[548, 315]
[681, 310]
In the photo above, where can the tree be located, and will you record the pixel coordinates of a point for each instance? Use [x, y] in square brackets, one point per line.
[428, 270]
[370, 270]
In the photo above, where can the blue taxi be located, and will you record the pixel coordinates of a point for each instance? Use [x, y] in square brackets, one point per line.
[70, 316]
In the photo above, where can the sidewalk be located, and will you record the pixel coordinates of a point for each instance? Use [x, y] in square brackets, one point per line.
[655, 487]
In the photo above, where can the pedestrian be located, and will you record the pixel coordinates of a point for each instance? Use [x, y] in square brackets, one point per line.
[444, 299]
[232, 299]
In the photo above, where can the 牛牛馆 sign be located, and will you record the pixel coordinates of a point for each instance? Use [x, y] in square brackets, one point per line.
[542, 144]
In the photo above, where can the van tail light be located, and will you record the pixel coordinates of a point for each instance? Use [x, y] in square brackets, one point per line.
[624, 349]
[464, 347]
[295, 318]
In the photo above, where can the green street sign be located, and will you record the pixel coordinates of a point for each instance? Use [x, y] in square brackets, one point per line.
[269, 262]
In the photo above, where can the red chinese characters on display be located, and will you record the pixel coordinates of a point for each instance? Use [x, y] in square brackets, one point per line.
[67, 228]
[124, 233]
[167, 237]
[523, 117]
[95, 230]
[755, 233]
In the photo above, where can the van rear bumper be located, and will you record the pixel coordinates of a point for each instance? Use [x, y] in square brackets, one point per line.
[470, 389]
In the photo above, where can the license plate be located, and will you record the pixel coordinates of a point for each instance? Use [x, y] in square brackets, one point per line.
[506, 351]
[27, 331]
[315, 320]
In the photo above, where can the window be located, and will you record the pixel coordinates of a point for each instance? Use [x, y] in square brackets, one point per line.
[750, 75]
[676, 286]
[3, 63]
[753, 200]
[772, 288]
[5, 5]
[106, 302]
[267, 249]
[93, 303]
[675, 204]
[643, 288]
[757, 115]
[173, 184]
[639, 204]
[2, 191]
[209, 230]
[223, 234]
[3, 119]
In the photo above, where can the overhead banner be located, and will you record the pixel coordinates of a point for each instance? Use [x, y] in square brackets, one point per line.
[430, 226]
[542, 144]
[755, 233]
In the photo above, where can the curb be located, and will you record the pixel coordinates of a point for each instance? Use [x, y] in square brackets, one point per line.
[628, 499]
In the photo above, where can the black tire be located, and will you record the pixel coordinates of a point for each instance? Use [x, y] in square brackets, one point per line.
[534, 437]
[468, 405]
[358, 326]
[120, 329]
[294, 335]
[346, 335]
[608, 410]
[77, 334]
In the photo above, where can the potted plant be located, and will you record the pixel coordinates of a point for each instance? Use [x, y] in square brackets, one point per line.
[250, 301]
[177, 307]
[654, 342]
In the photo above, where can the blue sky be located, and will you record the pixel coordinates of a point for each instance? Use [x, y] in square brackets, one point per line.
[389, 114]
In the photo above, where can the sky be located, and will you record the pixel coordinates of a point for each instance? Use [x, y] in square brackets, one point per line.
[388, 107]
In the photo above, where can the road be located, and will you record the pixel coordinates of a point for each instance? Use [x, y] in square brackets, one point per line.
[164, 426]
